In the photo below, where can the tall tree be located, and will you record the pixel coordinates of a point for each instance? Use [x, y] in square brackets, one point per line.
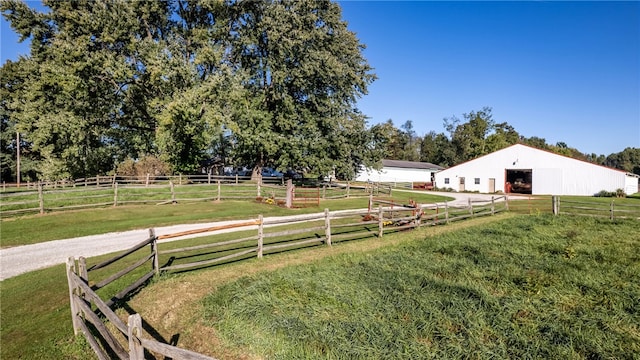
[306, 71]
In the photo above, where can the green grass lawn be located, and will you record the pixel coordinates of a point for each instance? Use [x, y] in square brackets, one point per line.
[526, 287]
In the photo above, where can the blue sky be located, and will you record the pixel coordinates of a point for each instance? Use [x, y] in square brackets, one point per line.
[563, 71]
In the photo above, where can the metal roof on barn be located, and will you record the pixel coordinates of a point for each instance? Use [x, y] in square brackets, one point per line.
[410, 164]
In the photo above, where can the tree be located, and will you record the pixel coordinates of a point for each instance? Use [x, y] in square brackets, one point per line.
[627, 160]
[275, 80]
[469, 138]
[306, 71]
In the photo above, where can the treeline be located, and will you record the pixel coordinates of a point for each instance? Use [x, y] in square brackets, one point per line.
[478, 134]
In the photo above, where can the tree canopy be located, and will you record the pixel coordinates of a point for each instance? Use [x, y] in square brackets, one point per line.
[251, 83]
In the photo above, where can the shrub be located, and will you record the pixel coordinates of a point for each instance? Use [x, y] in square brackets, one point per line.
[148, 164]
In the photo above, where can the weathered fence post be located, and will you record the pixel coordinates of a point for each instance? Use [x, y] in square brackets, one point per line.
[218, 190]
[115, 194]
[71, 266]
[40, 198]
[327, 226]
[348, 187]
[470, 207]
[324, 191]
[259, 181]
[370, 203]
[446, 212]
[260, 235]
[290, 190]
[236, 179]
[506, 202]
[173, 194]
[380, 221]
[134, 332]
[209, 178]
[154, 250]
[82, 269]
[611, 208]
[146, 182]
[113, 182]
[554, 205]
[493, 206]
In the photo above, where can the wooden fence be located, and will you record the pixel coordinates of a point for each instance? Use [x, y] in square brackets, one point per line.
[102, 193]
[595, 207]
[110, 337]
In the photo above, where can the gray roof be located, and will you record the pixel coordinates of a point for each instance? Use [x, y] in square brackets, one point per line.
[410, 164]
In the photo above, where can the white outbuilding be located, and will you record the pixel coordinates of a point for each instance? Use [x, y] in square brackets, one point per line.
[400, 171]
[524, 169]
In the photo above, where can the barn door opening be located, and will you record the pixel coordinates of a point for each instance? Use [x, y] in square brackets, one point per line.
[519, 181]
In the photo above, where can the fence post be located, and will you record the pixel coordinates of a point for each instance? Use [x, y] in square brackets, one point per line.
[146, 182]
[380, 221]
[554, 204]
[115, 194]
[71, 265]
[82, 269]
[324, 191]
[370, 203]
[493, 206]
[259, 187]
[173, 194]
[506, 202]
[327, 226]
[218, 190]
[209, 178]
[611, 207]
[154, 250]
[470, 207]
[40, 198]
[113, 182]
[236, 179]
[348, 187]
[289, 198]
[260, 235]
[134, 332]
[446, 212]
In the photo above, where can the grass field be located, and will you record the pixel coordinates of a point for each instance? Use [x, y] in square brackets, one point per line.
[591, 273]
[526, 287]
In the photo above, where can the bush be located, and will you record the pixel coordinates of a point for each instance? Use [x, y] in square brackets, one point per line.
[619, 193]
[146, 165]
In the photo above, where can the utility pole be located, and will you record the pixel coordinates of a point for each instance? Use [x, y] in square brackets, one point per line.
[18, 157]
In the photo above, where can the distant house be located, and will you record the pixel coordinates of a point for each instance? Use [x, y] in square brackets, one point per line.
[400, 171]
[524, 169]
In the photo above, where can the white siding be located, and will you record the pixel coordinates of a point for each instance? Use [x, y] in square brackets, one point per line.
[551, 173]
[390, 174]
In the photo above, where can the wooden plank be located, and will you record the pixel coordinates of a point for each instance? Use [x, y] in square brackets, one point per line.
[362, 223]
[206, 246]
[93, 343]
[116, 258]
[130, 288]
[121, 273]
[293, 232]
[209, 262]
[103, 307]
[172, 351]
[209, 229]
[102, 329]
[291, 244]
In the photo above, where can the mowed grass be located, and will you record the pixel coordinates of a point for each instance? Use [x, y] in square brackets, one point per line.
[524, 287]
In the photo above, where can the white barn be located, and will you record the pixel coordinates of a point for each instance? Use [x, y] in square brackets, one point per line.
[524, 169]
[400, 171]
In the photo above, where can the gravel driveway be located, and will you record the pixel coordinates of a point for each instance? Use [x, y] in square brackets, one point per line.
[21, 259]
